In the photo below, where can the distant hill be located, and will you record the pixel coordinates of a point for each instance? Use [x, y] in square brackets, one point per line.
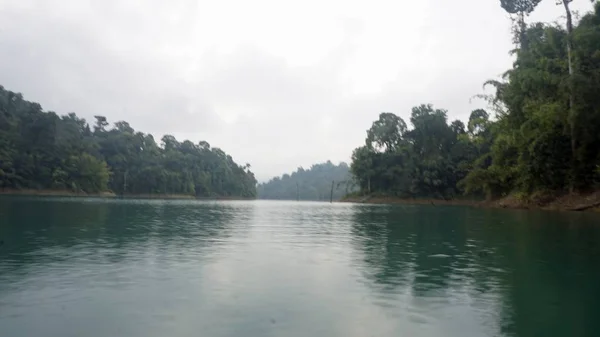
[311, 184]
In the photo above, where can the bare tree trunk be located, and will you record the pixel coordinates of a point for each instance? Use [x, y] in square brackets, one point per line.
[331, 195]
[522, 27]
[572, 117]
[124, 182]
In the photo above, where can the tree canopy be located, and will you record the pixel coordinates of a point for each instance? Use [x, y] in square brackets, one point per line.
[42, 150]
[425, 161]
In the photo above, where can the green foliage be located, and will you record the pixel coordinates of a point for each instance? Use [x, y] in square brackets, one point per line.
[425, 161]
[41, 150]
[534, 140]
[311, 184]
[386, 133]
[85, 172]
[519, 6]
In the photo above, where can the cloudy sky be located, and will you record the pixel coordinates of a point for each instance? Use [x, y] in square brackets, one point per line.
[278, 84]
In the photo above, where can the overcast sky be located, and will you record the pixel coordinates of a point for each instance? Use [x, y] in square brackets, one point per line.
[278, 84]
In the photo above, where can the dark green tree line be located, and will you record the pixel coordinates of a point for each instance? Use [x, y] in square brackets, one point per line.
[426, 160]
[311, 184]
[42, 150]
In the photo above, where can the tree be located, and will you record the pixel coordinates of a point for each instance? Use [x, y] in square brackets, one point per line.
[478, 122]
[86, 173]
[521, 8]
[386, 132]
[101, 123]
[572, 115]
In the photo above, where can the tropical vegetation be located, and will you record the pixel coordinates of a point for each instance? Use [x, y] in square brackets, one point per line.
[541, 135]
[42, 150]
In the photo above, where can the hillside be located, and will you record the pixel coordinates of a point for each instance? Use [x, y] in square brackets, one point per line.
[311, 184]
[41, 150]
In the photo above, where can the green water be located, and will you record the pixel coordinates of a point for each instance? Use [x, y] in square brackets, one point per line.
[92, 267]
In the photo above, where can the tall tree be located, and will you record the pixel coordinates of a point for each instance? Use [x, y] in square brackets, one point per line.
[572, 112]
[520, 8]
[386, 132]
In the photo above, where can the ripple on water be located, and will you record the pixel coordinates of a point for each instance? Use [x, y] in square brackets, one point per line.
[152, 268]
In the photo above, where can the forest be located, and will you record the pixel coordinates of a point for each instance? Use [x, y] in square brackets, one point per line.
[540, 137]
[42, 150]
[312, 184]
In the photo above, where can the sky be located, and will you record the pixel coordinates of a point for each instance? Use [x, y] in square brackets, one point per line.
[277, 84]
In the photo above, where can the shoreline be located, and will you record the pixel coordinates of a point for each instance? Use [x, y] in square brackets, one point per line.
[566, 203]
[390, 200]
[109, 195]
[54, 193]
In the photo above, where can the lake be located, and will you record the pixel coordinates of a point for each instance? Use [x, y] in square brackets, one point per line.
[94, 267]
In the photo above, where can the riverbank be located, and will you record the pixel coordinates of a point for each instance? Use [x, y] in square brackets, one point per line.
[54, 193]
[66, 193]
[179, 197]
[157, 196]
[407, 201]
[576, 202]
[569, 202]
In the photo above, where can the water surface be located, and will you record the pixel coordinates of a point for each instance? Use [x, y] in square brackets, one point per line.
[93, 267]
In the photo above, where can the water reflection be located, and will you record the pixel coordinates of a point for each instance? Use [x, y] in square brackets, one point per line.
[39, 230]
[518, 273]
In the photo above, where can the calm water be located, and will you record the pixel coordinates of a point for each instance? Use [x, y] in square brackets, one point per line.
[73, 267]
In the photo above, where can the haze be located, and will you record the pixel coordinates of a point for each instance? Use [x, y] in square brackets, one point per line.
[277, 84]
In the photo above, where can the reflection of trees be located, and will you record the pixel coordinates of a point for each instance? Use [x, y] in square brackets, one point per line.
[31, 226]
[409, 244]
[537, 271]
[554, 284]
[439, 249]
[38, 230]
[386, 248]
